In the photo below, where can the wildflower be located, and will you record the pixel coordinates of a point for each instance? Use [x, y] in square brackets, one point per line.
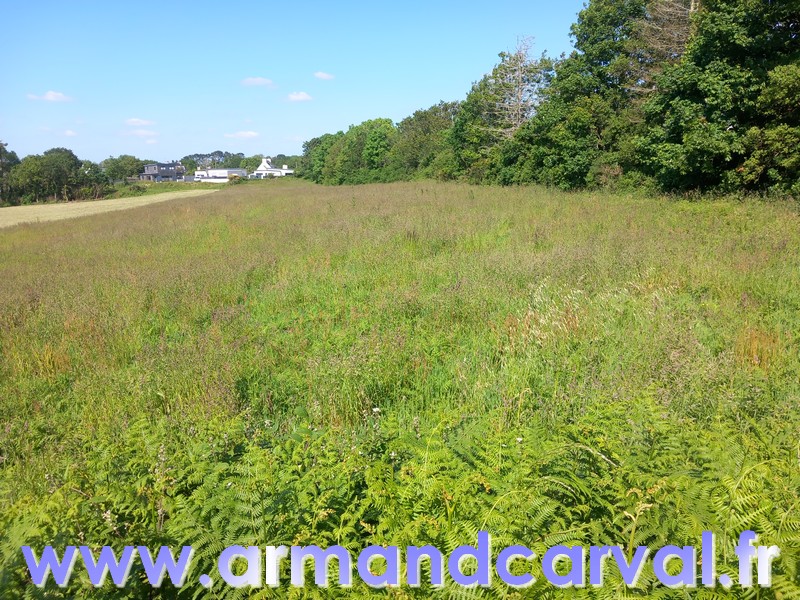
[519, 440]
[376, 411]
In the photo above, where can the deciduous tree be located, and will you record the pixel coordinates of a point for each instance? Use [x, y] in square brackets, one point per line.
[575, 137]
[725, 114]
[423, 138]
[28, 180]
[8, 160]
[122, 167]
[497, 106]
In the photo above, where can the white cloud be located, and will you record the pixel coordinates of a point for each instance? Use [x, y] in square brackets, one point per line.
[70, 133]
[142, 133]
[139, 122]
[151, 142]
[251, 81]
[323, 75]
[242, 135]
[50, 96]
[299, 97]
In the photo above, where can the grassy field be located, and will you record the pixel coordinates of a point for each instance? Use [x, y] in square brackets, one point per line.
[402, 364]
[38, 213]
[147, 188]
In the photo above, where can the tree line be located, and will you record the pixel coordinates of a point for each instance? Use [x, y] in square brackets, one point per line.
[229, 160]
[670, 95]
[58, 174]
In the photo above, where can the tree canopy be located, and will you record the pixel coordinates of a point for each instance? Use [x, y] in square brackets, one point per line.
[123, 166]
[57, 173]
[672, 95]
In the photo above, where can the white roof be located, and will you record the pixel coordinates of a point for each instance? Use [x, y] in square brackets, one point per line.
[266, 165]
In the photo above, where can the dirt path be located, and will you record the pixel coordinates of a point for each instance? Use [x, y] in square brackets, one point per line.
[14, 215]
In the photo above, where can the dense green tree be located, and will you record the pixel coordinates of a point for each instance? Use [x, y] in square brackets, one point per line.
[231, 161]
[123, 166]
[291, 161]
[189, 164]
[422, 145]
[315, 155]
[364, 148]
[773, 149]
[496, 107]
[57, 174]
[724, 115]
[577, 135]
[28, 179]
[62, 172]
[331, 172]
[250, 163]
[560, 146]
[600, 62]
[379, 140]
[359, 156]
[215, 159]
[8, 160]
[672, 94]
[474, 135]
[93, 180]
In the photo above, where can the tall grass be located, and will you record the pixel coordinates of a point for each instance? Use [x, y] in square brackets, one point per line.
[146, 188]
[660, 334]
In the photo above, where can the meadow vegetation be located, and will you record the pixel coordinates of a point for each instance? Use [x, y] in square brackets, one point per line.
[149, 188]
[406, 364]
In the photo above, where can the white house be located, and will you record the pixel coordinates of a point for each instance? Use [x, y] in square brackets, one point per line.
[218, 175]
[265, 170]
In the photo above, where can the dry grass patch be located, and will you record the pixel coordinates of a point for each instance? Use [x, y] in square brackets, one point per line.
[36, 213]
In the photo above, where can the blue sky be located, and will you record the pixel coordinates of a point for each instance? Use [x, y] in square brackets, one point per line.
[163, 80]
